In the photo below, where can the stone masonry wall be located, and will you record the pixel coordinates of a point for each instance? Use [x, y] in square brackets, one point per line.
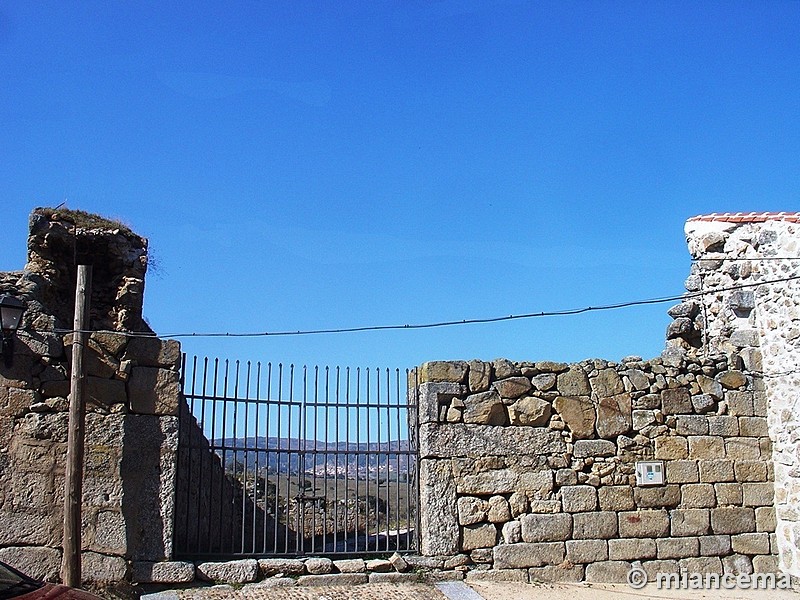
[530, 467]
[527, 469]
[131, 422]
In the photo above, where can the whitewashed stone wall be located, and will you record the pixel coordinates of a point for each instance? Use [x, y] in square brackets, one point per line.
[760, 325]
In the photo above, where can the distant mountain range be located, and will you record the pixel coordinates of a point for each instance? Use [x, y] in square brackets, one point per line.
[350, 460]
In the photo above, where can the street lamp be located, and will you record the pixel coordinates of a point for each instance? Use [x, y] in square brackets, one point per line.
[11, 310]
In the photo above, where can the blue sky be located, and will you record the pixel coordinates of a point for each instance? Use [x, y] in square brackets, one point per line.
[304, 165]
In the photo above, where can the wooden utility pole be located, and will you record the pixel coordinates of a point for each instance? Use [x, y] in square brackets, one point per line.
[71, 564]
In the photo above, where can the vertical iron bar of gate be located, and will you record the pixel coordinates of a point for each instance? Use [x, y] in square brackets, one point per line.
[224, 505]
[387, 458]
[245, 453]
[382, 395]
[302, 422]
[289, 444]
[409, 458]
[312, 406]
[266, 462]
[248, 451]
[397, 504]
[415, 417]
[214, 366]
[258, 455]
[315, 457]
[377, 456]
[300, 545]
[378, 427]
[182, 451]
[214, 408]
[187, 544]
[211, 440]
[326, 459]
[322, 454]
[226, 446]
[370, 400]
[201, 422]
[188, 453]
[347, 457]
[413, 457]
[314, 463]
[211, 464]
[384, 458]
[278, 473]
[312, 415]
[235, 460]
[368, 482]
[358, 450]
[391, 508]
[367, 454]
[336, 467]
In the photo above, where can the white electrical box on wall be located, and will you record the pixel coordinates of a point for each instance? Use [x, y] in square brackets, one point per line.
[650, 472]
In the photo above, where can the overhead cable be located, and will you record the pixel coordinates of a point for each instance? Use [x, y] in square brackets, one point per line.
[555, 313]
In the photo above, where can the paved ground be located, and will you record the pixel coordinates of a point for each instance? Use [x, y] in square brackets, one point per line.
[617, 591]
[370, 591]
[460, 591]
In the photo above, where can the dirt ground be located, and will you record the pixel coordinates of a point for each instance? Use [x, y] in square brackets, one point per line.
[486, 590]
[617, 591]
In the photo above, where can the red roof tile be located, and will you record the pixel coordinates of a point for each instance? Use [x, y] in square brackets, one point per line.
[751, 217]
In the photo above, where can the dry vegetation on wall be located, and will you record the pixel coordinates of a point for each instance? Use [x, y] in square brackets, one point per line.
[83, 219]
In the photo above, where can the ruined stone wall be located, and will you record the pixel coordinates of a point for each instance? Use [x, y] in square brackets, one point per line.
[133, 395]
[527, 469]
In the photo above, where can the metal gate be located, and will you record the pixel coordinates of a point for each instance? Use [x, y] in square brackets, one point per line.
[286, 461]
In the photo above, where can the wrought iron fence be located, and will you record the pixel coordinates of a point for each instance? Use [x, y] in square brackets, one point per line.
[281, 461]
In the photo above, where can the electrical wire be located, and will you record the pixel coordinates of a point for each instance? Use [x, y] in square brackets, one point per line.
[555, 313]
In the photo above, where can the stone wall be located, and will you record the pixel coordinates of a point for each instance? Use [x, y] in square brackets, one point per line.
[528, 468]
[133, 394]
[531, 466]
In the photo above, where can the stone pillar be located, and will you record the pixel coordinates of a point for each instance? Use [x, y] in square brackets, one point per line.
[437, 491]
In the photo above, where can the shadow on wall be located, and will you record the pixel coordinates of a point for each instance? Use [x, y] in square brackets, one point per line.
[146, 478]
[213, 514]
